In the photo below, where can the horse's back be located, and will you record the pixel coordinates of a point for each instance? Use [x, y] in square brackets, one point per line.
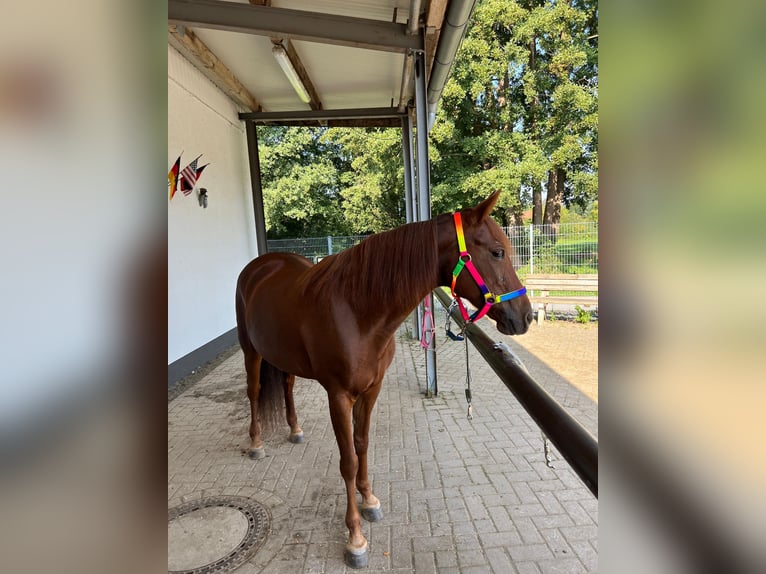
[265, 266]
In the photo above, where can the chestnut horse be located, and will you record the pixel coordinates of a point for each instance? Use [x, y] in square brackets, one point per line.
[335, 322]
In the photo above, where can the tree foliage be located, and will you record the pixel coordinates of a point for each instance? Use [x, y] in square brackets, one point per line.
[372, 198]
[520, 108]
[301, 178]
[519, 114]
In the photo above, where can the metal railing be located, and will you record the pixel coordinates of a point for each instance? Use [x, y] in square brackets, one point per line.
[578, 447]
[562, 248]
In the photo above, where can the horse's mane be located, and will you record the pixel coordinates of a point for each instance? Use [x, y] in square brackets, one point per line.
[395, 268]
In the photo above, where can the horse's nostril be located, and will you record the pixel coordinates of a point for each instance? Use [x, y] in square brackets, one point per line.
[530, 317]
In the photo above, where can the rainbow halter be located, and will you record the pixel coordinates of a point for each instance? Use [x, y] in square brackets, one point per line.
[464, 262]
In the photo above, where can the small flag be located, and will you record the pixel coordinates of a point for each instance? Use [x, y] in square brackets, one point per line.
[185, 186]
[173, 177]
[199, 171]
[190, 176]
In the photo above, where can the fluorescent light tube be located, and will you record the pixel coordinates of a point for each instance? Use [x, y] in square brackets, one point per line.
[287, 67]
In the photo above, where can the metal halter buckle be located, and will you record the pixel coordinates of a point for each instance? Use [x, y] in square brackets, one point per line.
[454, 336]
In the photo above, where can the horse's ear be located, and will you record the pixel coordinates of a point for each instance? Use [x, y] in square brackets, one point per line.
[483, 210]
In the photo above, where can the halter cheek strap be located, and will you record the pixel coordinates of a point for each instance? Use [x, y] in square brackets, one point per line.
[465, 262]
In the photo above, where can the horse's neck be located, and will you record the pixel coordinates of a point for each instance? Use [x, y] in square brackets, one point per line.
[413, 270]
[384, 279]
[410, 266]
[440, 252]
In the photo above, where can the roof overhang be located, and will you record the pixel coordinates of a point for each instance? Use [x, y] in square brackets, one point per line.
[353, 57]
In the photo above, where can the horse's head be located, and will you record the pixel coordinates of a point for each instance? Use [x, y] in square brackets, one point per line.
[490, 252]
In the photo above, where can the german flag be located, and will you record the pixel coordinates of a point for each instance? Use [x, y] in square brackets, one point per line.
[173, 177]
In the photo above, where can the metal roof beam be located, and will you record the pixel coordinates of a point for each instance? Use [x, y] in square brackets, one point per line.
[320, 115]
[294, 24]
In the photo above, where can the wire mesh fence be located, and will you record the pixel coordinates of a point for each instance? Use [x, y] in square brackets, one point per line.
[315, 248]
[565, 248]
[561, 248]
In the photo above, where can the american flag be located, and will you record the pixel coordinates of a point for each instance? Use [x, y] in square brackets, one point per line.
[190, 176]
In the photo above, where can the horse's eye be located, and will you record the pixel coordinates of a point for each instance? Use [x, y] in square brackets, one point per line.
[498, 253]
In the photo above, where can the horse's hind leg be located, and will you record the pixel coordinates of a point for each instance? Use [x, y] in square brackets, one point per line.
[296, 433]
[253, 361]
[370, 507]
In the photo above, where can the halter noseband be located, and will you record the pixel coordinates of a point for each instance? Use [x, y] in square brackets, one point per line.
[464, 262]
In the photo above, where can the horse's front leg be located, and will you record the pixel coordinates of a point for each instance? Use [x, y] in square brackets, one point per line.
[296, 433]
[356, 554]
[370, 506]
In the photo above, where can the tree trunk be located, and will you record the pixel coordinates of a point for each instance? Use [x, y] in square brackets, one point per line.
[561, 176]
[553, 202]
[537, 203]
[550, 198]
[555, 197]
[518, 215]
[532, 54]
[514, 214]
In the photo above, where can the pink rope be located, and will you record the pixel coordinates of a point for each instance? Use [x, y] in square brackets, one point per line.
[427, 333]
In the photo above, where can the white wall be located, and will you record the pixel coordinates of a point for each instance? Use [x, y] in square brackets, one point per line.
[207, 248]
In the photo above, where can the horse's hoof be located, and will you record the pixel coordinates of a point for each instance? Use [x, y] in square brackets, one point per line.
[257, 453]
[296, 438]
[372, 514]
[357, 558]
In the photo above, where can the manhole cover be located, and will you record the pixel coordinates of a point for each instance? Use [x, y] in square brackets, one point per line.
[215, 534]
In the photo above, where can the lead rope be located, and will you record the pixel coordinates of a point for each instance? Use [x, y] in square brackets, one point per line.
[455, 337]
[461, 337]
[427, 332]
[468, 381]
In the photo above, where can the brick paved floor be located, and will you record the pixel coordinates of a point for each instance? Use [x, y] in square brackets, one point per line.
[457, 495]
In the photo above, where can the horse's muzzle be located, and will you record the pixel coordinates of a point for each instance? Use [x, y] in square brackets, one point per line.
[511, 318]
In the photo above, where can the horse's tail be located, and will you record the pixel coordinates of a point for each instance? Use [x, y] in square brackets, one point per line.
[271, 397]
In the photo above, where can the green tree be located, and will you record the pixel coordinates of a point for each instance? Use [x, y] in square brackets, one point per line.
[301, 177]
[519, 114]
[519, 111]
[373, 186]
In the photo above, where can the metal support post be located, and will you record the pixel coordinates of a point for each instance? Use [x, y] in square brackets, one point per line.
[255, 183]
[409, 201]
[424, 195]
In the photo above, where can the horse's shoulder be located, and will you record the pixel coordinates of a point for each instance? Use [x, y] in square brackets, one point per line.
[278, 261]
[273, 265]
[284, 257]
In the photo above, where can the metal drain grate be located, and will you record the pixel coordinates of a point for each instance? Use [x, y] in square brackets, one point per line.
[258, 528]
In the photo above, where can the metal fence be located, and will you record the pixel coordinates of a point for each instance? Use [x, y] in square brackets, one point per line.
[563, 248]
[315, 248]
